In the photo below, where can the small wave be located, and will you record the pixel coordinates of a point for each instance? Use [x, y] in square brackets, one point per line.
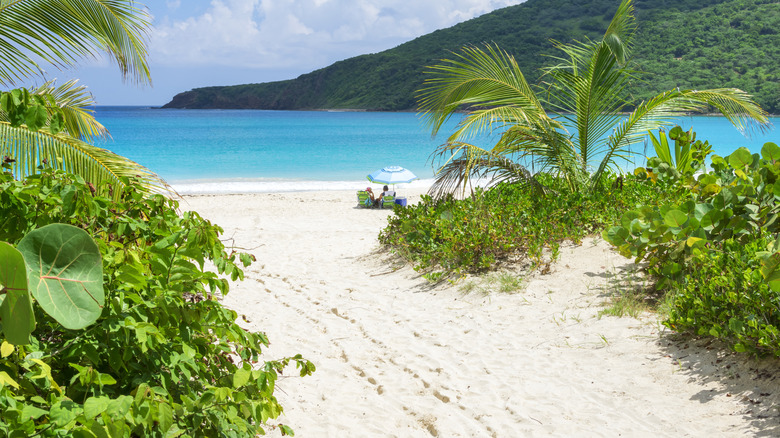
[225, 187]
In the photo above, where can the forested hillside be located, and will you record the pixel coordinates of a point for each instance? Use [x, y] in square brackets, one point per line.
[681, 43]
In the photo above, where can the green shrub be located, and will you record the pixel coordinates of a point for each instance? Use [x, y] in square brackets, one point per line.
[164, 358]
[718, 252]
[737, 200]
[448, 236]
[724, 295]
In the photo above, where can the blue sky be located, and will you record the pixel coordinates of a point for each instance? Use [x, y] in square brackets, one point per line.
[197, 43]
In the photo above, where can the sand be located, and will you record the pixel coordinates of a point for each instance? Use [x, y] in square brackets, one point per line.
[399, 357]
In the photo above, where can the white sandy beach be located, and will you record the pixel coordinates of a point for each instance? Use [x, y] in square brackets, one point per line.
[397, 357]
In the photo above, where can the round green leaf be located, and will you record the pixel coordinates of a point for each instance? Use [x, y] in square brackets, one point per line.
[770, 152]
[711, 219]
[702, 209]
[616, 235]
[628, 217]
[18, 319]
[723, 199]
[675, 218]
[65, 273]
[740, 158]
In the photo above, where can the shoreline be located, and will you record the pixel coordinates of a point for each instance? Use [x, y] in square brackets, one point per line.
[256, 186]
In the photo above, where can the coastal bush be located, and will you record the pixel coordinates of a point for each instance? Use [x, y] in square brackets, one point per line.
[737, 200]
[725, 296]
[448, 236]
[716, 252]
[164, 357]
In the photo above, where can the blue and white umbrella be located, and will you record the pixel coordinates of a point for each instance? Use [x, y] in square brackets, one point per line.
[391, 175]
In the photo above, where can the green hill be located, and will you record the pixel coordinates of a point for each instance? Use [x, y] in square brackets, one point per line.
[681, 43]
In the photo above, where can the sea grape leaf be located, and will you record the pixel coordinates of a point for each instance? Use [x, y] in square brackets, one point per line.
[710, 189]
[770, 152]
[65, 273]
[628, 218]
[701, 210]
[616, 235]
[675, 218]
[740, 158]
[693, 241]
[18, 319]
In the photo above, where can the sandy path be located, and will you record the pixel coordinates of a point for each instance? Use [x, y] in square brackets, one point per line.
[396, 357]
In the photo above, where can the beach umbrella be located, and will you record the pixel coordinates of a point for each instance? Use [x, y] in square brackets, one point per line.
[391, 175]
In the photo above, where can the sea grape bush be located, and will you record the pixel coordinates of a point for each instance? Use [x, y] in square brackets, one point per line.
[447, 236]
[716, 251]
[164, 358]
[727, 297]
[737, 200]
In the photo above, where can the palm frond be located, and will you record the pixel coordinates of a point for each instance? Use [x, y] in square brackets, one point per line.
[486, 82]
[736, 105]
[75, 101]
[62, 32]
[588, 86]
[620, 32]
[474, 163]
[30, 149]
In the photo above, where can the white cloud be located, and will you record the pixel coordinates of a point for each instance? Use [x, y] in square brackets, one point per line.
[298, 34]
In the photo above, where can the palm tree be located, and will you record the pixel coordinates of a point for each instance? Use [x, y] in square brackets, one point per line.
[585, 90]
[62, 33]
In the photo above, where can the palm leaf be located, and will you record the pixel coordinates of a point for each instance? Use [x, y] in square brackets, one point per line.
[621, 31]
[471, 162]
[487, 82]
[61, 32]
[588, 85]
[75, 101]
[547, 146]
[736, 105]
[29, 150]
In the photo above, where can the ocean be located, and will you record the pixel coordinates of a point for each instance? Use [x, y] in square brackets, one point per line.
[240, 151]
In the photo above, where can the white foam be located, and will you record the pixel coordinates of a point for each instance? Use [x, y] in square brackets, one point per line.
[237, 186]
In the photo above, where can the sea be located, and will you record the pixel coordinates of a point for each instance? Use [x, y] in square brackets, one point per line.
[249, 151]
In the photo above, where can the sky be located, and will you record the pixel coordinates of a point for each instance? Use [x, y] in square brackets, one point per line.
[199, 43]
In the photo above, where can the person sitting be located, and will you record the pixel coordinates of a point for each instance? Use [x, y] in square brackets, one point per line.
[374, 200]
[385, 192]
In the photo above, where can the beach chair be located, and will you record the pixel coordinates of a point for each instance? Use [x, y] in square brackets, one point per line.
[364, 201]
[388, 201]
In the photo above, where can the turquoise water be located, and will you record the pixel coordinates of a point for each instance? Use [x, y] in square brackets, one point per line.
[221, 151]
